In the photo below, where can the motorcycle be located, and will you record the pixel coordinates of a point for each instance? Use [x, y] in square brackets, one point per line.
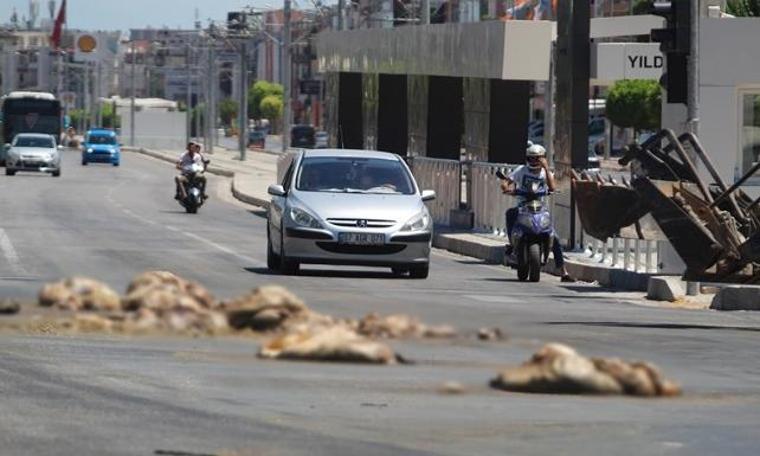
[532, 234]
[193, 188]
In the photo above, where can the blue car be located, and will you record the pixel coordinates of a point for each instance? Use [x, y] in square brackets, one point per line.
[101, 146]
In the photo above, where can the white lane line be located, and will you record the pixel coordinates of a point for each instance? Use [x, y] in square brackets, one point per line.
[224, 249]
[10, 254]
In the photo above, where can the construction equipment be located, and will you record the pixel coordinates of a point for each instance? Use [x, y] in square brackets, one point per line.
[715, 229]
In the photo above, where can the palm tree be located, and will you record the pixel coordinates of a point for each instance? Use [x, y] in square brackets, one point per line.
[744, 8]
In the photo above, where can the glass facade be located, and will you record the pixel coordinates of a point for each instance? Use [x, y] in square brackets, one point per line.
[749, 140]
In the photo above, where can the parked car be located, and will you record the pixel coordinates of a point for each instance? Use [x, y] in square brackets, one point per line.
[36, 152]
[321, 139]
[352, 207]
[257, 138]
[101, 146]
[302, 136]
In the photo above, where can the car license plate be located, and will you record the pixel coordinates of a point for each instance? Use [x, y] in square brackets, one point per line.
[361, 238]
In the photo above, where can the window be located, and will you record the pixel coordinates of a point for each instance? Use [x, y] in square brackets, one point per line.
[749, 140]
[354, 175]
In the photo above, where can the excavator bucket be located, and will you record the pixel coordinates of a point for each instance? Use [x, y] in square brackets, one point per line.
[606, 208]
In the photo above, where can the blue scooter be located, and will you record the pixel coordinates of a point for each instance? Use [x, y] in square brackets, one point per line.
[532, 234]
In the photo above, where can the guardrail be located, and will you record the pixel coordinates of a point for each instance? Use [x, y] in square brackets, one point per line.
[637, 255]
[443, 176]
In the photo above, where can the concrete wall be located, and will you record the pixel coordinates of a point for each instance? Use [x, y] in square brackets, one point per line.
[155, 129]
[518, 50]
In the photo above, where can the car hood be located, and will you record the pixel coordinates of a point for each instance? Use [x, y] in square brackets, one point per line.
[399, 208]
[28, 151]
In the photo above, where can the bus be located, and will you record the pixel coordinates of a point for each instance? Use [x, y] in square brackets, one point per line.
[28, 112]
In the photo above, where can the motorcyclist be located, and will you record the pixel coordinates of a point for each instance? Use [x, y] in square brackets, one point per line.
[191, 156]
[535, 170]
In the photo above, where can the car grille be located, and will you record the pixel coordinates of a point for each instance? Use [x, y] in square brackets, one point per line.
[359, 223]
[386, 249]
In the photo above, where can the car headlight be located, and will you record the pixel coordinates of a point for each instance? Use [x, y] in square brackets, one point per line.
[90, 150]
[303, 218]
[419, 222]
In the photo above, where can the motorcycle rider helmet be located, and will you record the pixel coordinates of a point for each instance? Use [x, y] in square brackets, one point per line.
[533, 156]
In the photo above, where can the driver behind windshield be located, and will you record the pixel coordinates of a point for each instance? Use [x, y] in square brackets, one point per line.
[533, 176]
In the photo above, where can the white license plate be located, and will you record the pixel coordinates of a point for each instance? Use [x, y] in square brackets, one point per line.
[361, 238]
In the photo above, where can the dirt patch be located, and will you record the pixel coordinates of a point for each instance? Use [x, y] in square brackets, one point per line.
[559, 369]
[79, 293]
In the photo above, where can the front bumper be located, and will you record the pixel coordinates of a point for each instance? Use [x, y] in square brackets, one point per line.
[32, 165]
[321, 247]
[101, 157]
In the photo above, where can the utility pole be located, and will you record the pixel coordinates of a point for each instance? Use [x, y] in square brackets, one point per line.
[99, 94]
[211, 80]
[341, 12]
[286, 79]
[693, 95]
[86, 102]
[132, 99]
[243, 108]
[426, 12]
[189, 95]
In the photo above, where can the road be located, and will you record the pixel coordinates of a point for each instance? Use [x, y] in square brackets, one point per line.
[94, 395]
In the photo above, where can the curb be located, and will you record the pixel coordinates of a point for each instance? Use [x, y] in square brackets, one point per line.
[240, 196]
[248, 199]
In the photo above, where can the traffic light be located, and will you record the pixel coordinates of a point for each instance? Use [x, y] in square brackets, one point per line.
[675, 44]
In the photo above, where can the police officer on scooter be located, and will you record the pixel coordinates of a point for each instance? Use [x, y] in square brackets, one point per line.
[534, 171]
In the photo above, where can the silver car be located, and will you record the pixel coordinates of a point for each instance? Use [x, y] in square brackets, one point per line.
[33, 152]
[352, 207]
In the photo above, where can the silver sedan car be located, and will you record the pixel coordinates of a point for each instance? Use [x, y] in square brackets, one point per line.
[33, 152]
[351, 207]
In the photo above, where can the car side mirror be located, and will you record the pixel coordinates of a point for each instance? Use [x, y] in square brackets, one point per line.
[7, 146]
[428, 195]
[276, 190]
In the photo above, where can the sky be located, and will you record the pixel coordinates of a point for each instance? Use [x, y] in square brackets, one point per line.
[126, 14]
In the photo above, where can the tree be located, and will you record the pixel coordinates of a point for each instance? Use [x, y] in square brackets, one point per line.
[635, 104]
[110, 119]
[256, 94]
[743, 8]
[271, 107]
[642, 7]
[228, 109]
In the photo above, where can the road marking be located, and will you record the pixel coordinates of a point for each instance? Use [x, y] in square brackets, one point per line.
[492, 298]
[224, 249]
[10, 254]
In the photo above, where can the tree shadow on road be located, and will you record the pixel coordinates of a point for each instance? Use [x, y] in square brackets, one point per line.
[620, 324]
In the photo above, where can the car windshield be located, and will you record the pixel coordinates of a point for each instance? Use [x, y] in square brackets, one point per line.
[102, 139]
[354, 175]
[33, 141]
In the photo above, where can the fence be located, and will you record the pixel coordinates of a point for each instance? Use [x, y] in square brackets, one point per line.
[443, 176]
[488, 204]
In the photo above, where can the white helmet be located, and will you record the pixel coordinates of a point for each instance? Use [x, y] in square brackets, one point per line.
[533, 155]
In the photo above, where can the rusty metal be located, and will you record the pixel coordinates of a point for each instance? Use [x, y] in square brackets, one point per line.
[714, 228]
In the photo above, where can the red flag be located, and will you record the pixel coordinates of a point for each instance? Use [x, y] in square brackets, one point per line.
[55, 38]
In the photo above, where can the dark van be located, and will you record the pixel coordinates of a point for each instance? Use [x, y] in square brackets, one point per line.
[302, 136]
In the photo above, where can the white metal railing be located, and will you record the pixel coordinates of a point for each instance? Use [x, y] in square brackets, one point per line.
[443, 176]
[630, 254]
[489, 205]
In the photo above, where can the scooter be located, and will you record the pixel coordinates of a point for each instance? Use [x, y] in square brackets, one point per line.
[193, 189]
[532, 234]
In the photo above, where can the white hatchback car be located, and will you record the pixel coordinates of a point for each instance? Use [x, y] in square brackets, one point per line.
[33, 152]
[353, 207]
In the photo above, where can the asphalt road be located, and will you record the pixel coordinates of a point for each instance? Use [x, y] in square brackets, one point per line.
[117, 395]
